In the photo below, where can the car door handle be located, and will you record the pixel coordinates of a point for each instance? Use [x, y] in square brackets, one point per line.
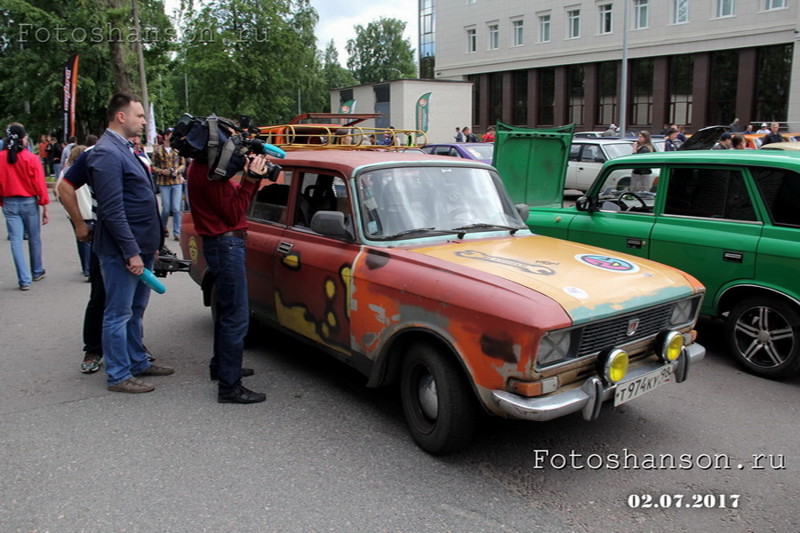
[733, 257]
[635, 243]
[284, 248]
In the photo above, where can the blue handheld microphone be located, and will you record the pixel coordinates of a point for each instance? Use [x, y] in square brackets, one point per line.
[149, 279]
[274, 151]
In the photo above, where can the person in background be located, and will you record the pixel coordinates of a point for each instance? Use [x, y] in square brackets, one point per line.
[54, 150]
[735, 126]
[641, 177]
[469, 137]
[42, 151]
[488, 137]
[725, 142]
[84, 202]
[748, 130]
[459, 136]
[611, 131]
[168, 168]
[71, 143]
[773, 136]
[763, 130]
[669, 143]
[22, 190]
[738, 142]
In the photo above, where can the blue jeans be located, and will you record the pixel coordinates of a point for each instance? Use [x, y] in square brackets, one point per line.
[225, 258]
[22, 218]
[126, 300]
[171, 204]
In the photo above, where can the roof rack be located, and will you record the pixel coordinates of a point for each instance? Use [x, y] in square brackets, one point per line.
[339, 137]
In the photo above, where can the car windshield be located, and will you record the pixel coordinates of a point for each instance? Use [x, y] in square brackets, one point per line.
[618, 149]
[480, 151]
[412, 202]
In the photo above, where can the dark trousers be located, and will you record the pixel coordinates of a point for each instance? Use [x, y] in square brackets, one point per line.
[93, 318]
[225, 258]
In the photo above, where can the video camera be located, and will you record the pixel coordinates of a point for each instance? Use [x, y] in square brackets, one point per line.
[222, 145]
[168, 262]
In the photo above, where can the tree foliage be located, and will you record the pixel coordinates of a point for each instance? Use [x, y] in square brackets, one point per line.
[379, 52]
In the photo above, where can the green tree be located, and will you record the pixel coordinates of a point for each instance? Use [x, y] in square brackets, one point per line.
[380, 53]
[335, 75]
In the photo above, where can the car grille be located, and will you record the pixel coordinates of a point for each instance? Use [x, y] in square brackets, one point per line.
[614, 332]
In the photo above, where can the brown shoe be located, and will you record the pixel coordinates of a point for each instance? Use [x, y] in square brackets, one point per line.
[156, 370]
[133, 386]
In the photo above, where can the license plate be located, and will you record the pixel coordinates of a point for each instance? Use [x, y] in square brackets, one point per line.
[628, 390]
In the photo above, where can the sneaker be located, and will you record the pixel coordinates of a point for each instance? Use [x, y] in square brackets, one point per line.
[155, 370]
[150, 357]
[241, 395]
[40, 277]
[132, 386]
[91, 363]
[24, 287]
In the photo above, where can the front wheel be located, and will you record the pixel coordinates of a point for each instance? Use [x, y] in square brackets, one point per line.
[764, 335]
[438, 402]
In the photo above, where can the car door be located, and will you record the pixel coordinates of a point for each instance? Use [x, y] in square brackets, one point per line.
[623, 219]
[313, 271]
[267, 218]
[708, 226]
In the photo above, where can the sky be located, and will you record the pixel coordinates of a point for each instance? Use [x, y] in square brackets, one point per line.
[337, 19]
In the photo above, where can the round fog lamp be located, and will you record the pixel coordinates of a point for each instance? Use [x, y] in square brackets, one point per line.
[616, 366]
[671, 346]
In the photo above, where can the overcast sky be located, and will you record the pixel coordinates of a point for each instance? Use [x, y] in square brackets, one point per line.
[337, 18]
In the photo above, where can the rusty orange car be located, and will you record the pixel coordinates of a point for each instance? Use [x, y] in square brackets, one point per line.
[419, 270]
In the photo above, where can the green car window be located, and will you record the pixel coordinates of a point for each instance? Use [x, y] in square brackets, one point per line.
[780, 189]
[709, 193]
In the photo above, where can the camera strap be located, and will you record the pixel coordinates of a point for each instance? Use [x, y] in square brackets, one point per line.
[213, 138]
[224, 158]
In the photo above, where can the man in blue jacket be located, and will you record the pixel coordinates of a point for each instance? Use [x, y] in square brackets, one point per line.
[127, 236]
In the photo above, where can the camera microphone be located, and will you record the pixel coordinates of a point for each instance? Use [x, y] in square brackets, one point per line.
[274, 151]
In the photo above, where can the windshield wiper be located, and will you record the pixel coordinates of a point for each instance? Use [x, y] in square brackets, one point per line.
[482, 225]
[429, 231]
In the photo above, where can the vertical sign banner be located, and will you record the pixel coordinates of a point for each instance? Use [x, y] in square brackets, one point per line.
[348, 107]
[70, 90]
[151, 127]
[423, 108]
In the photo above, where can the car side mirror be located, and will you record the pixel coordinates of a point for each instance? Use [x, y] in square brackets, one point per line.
[585, 203]
[523, 211]
[330, 224]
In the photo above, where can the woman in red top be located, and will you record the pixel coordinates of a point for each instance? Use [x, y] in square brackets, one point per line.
[22, 190]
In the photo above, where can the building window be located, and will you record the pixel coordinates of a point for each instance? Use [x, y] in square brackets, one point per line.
[518, 37]
[519, 92]
[544, 28]
[774, 63]
[774, 4]
[722, 87]
[608, 79]
[641, 89]
[681, 75]
[575, 76]
[472, 40]
[427, 39]
[680, 11]
[726, 8]
[547, 95]
[573, 24]
[605, 16]
[641, 10]
[494, 37]
[475, 79]
[495, 98]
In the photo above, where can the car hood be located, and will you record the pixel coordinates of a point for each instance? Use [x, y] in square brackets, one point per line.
[589, 283]
[705, 138]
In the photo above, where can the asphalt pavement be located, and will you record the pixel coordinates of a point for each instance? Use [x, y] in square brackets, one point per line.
[325, 453]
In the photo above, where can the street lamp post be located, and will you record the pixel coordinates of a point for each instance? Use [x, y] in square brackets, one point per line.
[623, 93]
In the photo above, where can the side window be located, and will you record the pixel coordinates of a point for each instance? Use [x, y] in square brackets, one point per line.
[575, 152]
[270, 202]
[780, 189]
[592, 154]
[630, 189]
[709, 193]
[320, 192]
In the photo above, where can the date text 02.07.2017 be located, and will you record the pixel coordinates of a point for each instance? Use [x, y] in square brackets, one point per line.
[683, 501]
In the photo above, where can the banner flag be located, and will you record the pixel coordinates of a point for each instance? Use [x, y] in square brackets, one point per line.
[151, 127]
[348, 107]
[70, 90]
[423, 108]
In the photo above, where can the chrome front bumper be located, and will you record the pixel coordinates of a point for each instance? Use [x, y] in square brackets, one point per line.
[589, 397]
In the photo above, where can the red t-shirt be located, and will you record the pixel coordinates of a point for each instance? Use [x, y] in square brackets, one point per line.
[23, 178]
[217, 206]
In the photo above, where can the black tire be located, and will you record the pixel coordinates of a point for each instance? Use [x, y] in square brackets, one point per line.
[447, 420]
[764, 335]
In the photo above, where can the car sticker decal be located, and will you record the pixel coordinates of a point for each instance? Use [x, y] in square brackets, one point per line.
[531, 268]
[607, 262]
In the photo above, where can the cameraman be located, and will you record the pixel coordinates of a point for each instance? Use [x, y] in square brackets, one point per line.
[218, 211]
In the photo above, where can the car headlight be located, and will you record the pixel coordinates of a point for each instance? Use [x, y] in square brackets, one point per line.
[557, 346]
[669, 345]
[613, 365]
[683, 312]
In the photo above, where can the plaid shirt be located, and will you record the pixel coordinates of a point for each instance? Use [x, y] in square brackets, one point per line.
[164, 162]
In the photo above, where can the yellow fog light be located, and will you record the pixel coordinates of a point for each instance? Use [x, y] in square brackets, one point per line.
[671, 346]
[615, 365]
